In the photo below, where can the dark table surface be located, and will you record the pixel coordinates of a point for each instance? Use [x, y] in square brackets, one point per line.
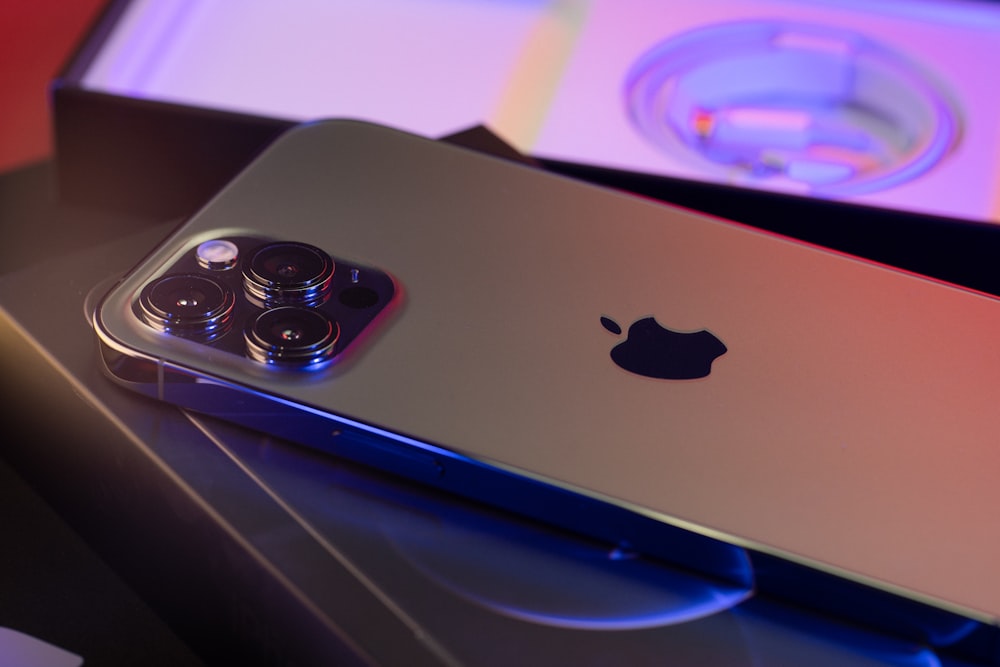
[53, 585]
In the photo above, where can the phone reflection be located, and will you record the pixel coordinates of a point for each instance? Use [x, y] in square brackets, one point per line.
[494, 589]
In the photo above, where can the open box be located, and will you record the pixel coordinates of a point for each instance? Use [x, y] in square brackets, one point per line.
[871, 129]
[883, 105]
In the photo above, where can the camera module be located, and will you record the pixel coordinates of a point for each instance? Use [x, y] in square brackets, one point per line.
[286, 273]
[291, 335]
[187, 305]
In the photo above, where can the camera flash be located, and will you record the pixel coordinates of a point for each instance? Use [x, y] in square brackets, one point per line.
[217, 255]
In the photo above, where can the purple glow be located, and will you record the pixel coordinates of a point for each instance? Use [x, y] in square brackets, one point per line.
[547, 78]
[826, 108]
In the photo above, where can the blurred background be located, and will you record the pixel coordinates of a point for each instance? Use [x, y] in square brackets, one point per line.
[36, 37]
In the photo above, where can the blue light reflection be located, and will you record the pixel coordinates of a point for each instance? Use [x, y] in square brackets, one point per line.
[530, 572]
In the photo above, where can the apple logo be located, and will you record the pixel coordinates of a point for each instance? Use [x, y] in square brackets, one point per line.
[656, 352]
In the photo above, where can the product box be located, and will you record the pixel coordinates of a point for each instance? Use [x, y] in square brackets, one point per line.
[868, 128]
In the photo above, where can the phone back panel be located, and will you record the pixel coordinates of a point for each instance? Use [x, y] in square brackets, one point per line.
[851, 424]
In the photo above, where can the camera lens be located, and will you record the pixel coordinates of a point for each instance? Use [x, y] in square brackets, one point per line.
[291, 335]
[187, 305]
[284, 273]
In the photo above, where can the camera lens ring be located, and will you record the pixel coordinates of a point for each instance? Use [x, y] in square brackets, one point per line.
[291, 335]
[188, 305]
[288, 273]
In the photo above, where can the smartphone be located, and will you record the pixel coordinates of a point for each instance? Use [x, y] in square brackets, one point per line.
[675, 383]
